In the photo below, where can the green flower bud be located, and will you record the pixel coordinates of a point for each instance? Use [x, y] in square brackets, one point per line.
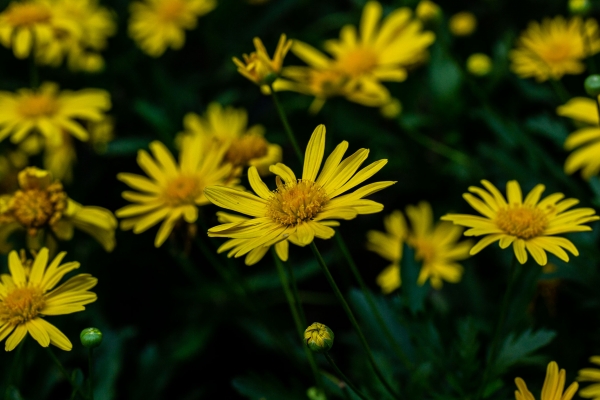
[314, 393]
[592, 85]
[580, 7]
[319, 337]
[91, 337]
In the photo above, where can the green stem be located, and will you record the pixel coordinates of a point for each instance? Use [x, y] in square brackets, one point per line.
[350, 315]
[512, 278]
[294, 303]
[286, 125]
[65, 373]
[295, 292]
[438, 147]
[371, 301]
[91, 372]
[560, 90]
[344, 377]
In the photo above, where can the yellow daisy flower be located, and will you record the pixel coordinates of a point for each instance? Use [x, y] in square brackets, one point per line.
[436, 247]
[246, 146]
[158, 24]
[299, 206]
[27, 296]
[553, 388]
[528, 224]
[24, 24]
[258, 65]
[590, 375]
[585, 141]
[50, 112]
[172, 191]
[554, 48]
[41, 203]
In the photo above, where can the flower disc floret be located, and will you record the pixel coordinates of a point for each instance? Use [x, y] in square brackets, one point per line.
[22, 305]
[522, 222]
[296, 202]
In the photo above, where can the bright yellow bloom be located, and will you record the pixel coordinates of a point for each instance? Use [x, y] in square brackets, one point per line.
[41, 203]
[299, 206]
[158, 24]
[172, 191]
[528, 224]
[25, 24]
[427, 10]
[27, 297]
[258, 65]
[463, 23]
[50, 112]
[246, 146]
[554, 48]
[553, 388]
[590, 375]
[479, 64]
[585, 140]
[436, 247]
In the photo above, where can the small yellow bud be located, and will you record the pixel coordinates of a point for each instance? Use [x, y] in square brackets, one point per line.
[479, 64]
[391, 109]
[319, 337]
[462, 23]
[427, 10]
[580, 7]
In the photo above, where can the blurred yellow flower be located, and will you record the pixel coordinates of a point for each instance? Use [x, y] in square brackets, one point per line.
[590, 375]
[463, 23]
[553, 388]
[580, 7]
[50, 112]
[436, 247]
[258, 66]
[246, 146]
[41, 203]
[585, 140]
[299, 206]
[156, 25]
[25, 24]
[427, 10]
[27, 297]
[391, 109]
[479, 64]
[554, 48]
[528, 224]
[172, 191]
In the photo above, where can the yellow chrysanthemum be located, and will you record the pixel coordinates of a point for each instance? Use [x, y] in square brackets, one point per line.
[25, 24]
[528, 224]
[49, 112]
[172, 191]
[246, 146]
[41, 203]
[258, 65]
[27, 297]
[585, 141]
[299, 206]
[554, 48]
[463, 23]
[553, 388]
[590, 375]
[156, 25]
[436, 247]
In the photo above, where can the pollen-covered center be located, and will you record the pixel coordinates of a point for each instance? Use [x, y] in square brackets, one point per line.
[522, 221]
[358, 61]
[246, 148]
[182, 190]
[21, 305]
[35, 208]
[171, 10]
[38, 105]
[27, 14]
[296, 202]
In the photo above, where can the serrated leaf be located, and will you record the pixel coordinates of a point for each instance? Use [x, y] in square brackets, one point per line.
[517, 349]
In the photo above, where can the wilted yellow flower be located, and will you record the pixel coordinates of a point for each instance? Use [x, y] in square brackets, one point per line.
[258, 66]
[528, 224]
[427, 10]
[479, 64]
[554, 48]
[156, 25]
[590, 375]
[463, 23]
[553, 388]
[50, 112]
[299, 206]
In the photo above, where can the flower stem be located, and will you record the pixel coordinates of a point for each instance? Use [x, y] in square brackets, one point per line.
[512, 278]
[344, 377]
[91, 372]
[559, 89]
[65, 373]
[367, 293]
[286, 125]
[294, 303]
[438, 147]
[350, 315]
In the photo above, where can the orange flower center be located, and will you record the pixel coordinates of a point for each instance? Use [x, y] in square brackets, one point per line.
[296, 202]
[35, 208]
[38, 105]
[358, 62]
[182, 190]
[22, 305]
[27, 14]
[557, 52]
[246, 148]
[522, 221]
[425, 250]
[170, 10]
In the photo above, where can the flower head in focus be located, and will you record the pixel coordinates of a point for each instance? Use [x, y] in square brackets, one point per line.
[258, 66]
[463, 23]
[28, 295]
[156, 25]
[590, 375]
[553, 48]
[529, 224]
[553, 389]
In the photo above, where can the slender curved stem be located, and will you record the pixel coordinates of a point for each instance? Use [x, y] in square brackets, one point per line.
[66, 374]
[350, 315]
[286, 125]
[344, 377]
[438, 147]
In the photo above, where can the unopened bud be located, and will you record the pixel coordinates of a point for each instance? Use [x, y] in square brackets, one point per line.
[462, 23]
[580, 7]
[479, 64]
[592, 85]
[91, 337]
[427, 11]
[319, 337]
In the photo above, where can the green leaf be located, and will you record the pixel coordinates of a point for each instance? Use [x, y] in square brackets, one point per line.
[546, 126]
[126, 146]
[413, 293]
[12, 393]
[265, 386]
[156, 117]
[519, 349]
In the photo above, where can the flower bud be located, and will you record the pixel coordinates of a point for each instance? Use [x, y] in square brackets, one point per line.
[91, 337]
[479, 64]
[592, 85]
[391, 109]
[427, 11]
[462, 23]
[580, 7]
[319, 337]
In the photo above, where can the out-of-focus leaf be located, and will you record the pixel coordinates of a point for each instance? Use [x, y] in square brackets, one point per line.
[155, 116]
[546, 126]
[109, 360]
[445, 76]
[265, 386]
[77, 377]
[191, 342]
[270, 279]
[126, 146]
[518, 349]
[409, 272]
[12, 393]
